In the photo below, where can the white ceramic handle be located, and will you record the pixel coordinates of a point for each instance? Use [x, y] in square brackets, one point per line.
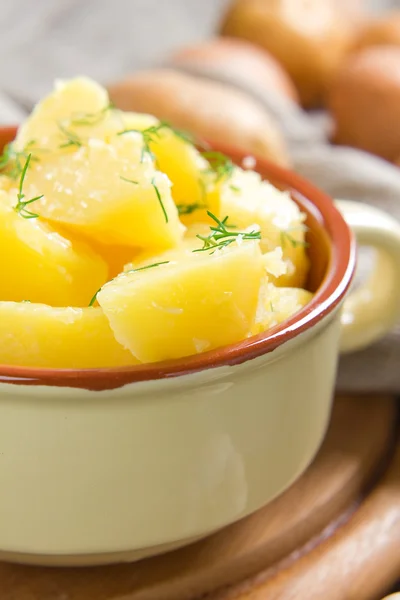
[371, 310]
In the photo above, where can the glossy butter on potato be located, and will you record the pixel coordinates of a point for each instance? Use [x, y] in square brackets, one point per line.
[188, 306]
[248, 200]
[276, 304]
[37, 335]
[110, 192]
[41, 265]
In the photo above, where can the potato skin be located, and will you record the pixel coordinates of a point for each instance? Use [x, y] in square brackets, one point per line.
[210, 110]
[309, 39]
[377, 32]
[365, 102]
[243, 61]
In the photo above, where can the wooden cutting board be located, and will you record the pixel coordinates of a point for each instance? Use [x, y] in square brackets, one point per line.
[335, 534]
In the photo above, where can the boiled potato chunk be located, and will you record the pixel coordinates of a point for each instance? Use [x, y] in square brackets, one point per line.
[181, 161]
[116, 257]
[276, 304]
[111, 193]
[188, 243]
[188, 306]
[41, 265]
[76, 109]
[248, 200]
[273, 262]
[37, 335]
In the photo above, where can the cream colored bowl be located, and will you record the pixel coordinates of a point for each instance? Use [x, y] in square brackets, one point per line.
[109, 465]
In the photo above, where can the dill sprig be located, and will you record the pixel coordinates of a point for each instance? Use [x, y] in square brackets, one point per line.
[72, 138]
[220, 236]
[157, 191]
[286, 237]
[188, 209]
[15, 160]
[157, 264]
[89, 119]
[128, 180]
[152, 134]
[220, 164]
[21, 205]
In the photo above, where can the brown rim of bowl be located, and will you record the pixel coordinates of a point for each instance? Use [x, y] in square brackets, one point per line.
[329, 294]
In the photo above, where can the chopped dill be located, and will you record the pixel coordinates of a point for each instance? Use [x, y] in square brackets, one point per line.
[21, 205]
[128, 180]
[89, 119]
[15, 160]
[152, 134]
[157, 264]
[220, 164]
[72, 138]
[285, 237]
[157, 191]
[220, 236]
[188, 209]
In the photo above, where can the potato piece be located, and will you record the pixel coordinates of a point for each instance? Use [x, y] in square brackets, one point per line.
[276, 304]
[181, 161]
[41, 265]
[247, 200]
[80, 106]
[36, 335]
[189, 243]
[87, 190]
[185, 307]
[274, 265]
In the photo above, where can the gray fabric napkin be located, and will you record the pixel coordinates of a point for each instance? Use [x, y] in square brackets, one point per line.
[343, 173]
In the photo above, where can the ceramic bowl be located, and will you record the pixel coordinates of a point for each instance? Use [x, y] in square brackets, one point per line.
[109, 465]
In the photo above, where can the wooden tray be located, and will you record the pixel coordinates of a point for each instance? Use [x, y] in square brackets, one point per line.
[334, 535]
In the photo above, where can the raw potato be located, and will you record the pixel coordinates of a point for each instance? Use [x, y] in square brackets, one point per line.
[186, 307]
[207, 109]
[276, 304]
[248, 200]
[365, 102]
[36, 335]
[310, 38]
[237, 61]
[84, 190]
[40, 265]
[383, 31]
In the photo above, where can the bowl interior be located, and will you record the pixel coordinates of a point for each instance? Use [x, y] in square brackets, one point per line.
[332, 257]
